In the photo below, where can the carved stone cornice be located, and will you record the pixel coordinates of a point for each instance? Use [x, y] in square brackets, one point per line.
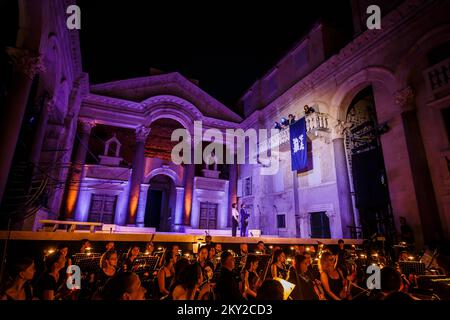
[25, 61]
[203, 101]
[142, 133]
[339, 129]
[405, 99]
[86, 125]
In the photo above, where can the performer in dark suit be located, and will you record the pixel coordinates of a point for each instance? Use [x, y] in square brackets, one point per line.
[244, 220]
[234, 219]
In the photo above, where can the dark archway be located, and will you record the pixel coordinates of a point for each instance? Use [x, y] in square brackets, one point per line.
[366, 166]
[160, 207]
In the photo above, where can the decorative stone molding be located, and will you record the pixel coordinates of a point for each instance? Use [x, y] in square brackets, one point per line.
[25, 61]
[204, 101]
[339, 129]
[86, 125]
[142, 133]
[405, 99]
[152, 109]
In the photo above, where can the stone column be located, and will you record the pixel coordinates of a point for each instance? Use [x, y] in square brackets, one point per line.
[232, 194]
[178, 219]
[26, 65]
[342, 180]
[76, 170]
[189, 175]
[296, 204]
[39, 136]
[137, 174]
[423, 185]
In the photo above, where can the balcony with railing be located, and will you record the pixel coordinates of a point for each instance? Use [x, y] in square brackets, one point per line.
[317, 126]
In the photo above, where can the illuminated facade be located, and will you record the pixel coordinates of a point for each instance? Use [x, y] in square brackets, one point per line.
[378, 137]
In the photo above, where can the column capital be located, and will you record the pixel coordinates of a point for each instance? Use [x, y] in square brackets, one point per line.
[404, 98]
[49, 104]
[86, 125]
[339, 129]
[25, 61]
[142, 133]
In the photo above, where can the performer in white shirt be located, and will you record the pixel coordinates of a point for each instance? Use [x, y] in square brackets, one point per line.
[234, 219]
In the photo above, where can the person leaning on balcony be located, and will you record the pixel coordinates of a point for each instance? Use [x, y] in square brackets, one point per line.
[308, 110]
[291, 119]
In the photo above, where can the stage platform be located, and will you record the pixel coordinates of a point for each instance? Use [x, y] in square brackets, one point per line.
[160, 237]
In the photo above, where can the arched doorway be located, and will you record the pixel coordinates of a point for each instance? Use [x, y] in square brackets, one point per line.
[366, 166]
[160, 206]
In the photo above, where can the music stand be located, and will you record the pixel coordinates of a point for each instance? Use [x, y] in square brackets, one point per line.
[88, 262]
[145, 263]
[412, 267]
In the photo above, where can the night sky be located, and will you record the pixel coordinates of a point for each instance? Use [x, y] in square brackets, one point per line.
[223, 44]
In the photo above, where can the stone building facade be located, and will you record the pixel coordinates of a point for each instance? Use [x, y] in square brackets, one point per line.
[379, 136]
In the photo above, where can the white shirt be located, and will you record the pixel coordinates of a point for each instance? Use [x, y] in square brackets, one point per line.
[235, 214]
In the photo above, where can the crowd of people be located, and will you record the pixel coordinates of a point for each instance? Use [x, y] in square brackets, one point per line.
[316, 273]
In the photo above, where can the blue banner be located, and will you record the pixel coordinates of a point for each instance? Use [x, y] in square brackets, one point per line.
[299, 147]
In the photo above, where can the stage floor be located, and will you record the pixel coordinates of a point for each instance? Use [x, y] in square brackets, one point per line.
[158, 237]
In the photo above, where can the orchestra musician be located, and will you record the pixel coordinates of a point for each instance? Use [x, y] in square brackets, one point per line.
[305, 288]
[278, 267]
[218, 248]
[176, 251]
[109, 246]
[19, 285]
[260, 247]
[85, 246]
[227, 287]
[243, 249]
[332, 280]
[243, 252]
[189, 284]
[166, 274]
[132, 254]
[48, 283]
[108, 269]
[250, 279]
[205, 264]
